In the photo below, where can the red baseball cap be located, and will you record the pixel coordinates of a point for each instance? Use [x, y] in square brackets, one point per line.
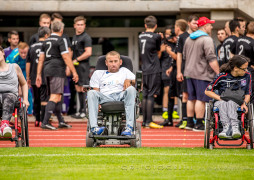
[204, 20]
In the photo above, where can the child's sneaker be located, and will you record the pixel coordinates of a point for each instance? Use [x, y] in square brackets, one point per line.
[97, 130]
[223, 133]
[5, 129]
[128, 131]
[183, 125]
[236, 133]
[165, 115]
[175, 115]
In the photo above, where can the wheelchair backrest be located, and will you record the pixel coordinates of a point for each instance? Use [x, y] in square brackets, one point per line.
[101, 65]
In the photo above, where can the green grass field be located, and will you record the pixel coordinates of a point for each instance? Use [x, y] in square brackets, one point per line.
[126, 163]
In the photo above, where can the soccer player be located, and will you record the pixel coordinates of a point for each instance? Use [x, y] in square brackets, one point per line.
[55, 56]
[221, 35]
[82, 50]
[150, 43]
[183, 35]
[40, 94]
[43, 21]
[13, 39]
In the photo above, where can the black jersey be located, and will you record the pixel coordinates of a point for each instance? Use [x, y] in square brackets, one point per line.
[181, 41]
[149, 45]
[79, 43]
[245, 46]
[228, 46]
[34, 38]
[33, 58]
[53, 48]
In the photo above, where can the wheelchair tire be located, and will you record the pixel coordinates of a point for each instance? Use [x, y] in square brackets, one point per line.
[24, 129]
[207, 126]
[18, 143]
[250, 125]
[137, 142]
[89, 141]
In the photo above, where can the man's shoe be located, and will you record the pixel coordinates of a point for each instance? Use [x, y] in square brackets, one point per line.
[183, 125]
[48, 126]
[5, 129]
[37, 123]
[175, 115]
[199, 127]
[128, 131]
[165, 115]
[224, 132]
[82, 115]
[79, 115]
[64, 125]
[236, 133]
[189, 125]
[179, 124]
[154, 125]
[97, 130]
[166, 123]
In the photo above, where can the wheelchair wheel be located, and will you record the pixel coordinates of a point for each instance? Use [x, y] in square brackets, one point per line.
[207, 126]
[24, 129]
[89, 141]
[250, 125]
[137, 142]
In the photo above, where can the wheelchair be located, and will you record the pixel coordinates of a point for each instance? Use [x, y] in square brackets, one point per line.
[213, 127]
[20, 125]
[112, 116]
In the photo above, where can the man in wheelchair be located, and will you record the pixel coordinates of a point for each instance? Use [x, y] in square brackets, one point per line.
[114, 84]
[10, 78]
[233, 87]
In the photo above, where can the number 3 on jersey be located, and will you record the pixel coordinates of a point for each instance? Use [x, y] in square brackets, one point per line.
[143, 42]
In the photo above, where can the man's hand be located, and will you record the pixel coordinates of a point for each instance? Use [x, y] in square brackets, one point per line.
[75, 77]
[29, 82]
[163, 47]
[169, 70]
[26, 103]
[243, 106]
[38, 81]
[179, 77]
[127, 83]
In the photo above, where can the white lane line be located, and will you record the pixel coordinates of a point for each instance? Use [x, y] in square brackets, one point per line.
[119, 154]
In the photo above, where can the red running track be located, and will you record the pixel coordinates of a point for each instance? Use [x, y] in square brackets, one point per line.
[76, 137]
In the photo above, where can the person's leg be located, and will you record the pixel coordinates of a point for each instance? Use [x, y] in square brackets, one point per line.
[37, 104]
[183, 123]
[169, 121]
[233, 116]
[175, 109]
[72, 106]
[30, 100]
[165, 102]
[224, 119]
[8, 101]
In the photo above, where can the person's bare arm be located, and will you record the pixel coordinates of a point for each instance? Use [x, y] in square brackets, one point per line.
[85, 55]
[212, 95]
[215, 66]
[247, 100]
[69, 63]
[39, 70]
[179, 60]
[23, 84]
[171, 53]
[28, 66]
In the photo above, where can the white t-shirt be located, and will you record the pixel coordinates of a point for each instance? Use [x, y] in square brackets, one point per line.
[109, 83]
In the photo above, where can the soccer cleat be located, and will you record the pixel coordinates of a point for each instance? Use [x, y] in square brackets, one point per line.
[224, 132]
[184, 123]
[189, 125]
[48, 126]
[175, 115]
[166, 123]
[179, 124]
[155, 126]
[128, 131]
[5, 129]
[236, 133]
[64, 125]
[97, 130]
[199, 127]
[165, 115]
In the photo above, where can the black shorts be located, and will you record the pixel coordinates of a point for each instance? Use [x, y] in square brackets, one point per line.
[173, 84]
[44, 93]
[55, 85]
[166, 82]
[151, 84]
[83, 70]
[182, 86]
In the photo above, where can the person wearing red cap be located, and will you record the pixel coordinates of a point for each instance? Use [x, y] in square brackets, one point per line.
[201, 66]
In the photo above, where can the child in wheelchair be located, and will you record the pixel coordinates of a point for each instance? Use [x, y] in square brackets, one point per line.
[231, 89]
[10, 78]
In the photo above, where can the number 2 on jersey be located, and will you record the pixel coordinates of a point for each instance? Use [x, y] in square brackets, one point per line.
[241, 49]
[143, 42]
[50, 45]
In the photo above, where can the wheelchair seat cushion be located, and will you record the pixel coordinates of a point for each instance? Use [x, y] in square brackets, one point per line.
[113, 107]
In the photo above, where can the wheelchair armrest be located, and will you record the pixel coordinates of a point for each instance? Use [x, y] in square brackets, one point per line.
[138, 80]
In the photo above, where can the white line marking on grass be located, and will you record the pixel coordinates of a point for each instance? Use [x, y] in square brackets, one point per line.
[153, 154]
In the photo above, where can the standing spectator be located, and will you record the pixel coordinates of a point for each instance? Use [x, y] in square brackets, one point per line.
[13, 39]
[149, 43]
[40, 94]
[43, 21]
[19, 56]
[54, 57]
[183, 35]
[201, 67]
[228, 47]
[221, 35]
[82, 50]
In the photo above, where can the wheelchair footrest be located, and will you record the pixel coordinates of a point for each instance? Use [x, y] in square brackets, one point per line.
[112, 137]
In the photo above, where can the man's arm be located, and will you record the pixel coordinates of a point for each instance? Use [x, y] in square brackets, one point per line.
[68, 62]
[85, 55]
[28, 65]
[179, 60]
[39, 69]
[215, 66]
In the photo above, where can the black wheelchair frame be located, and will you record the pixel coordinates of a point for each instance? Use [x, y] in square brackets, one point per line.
[20, 126]
[212, 123]
[112, 117]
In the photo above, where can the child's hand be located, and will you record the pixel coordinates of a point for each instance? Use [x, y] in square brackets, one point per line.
[243, 106]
